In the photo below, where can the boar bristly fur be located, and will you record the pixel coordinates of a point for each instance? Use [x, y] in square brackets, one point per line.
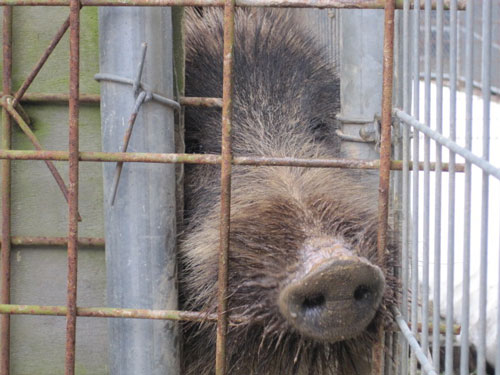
[286, 97]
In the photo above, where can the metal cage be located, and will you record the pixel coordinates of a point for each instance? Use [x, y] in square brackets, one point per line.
[414, 310]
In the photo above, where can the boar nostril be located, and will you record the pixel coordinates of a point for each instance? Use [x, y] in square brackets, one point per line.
[314, 302]
[362, 293]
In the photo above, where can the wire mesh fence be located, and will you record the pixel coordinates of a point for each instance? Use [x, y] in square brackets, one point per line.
[437, 234]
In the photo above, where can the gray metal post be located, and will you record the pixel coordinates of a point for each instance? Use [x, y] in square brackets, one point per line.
[140, 225]
[361, 43]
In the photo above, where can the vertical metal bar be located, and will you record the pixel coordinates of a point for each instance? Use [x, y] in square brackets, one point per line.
[74, 61]
[486, 91]
[392, 356]
[415, 58]
[427, 152]
[415, 216]
[178, 37]
[414, 255]
[385, 146]
[227, 111]
[437, 195]
[406, 180]
[497, 352]
[6, 144]
[451, 191]
[385, 160]
[469, 49]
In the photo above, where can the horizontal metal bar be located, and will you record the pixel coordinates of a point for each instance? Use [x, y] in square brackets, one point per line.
[441, 139]
[200, 102]
[343, 4]
[412, 341]
[139, 157]
[108, 312]
[54, 241]
[40, 97]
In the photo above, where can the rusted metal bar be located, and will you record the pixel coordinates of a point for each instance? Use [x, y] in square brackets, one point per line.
[74, 78]
[385, 164]
[385, 144]
[96, 99]
[195, 316]
[139, 157]
[225, 204]
[342, 4]
[31, 97]
[26, 84]
[179, 55]
[108, 312]
[54, 241]
[200, 102]
[8, 103]
[5, 193]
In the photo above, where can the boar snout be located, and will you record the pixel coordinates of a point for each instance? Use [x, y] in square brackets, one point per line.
[335, 299]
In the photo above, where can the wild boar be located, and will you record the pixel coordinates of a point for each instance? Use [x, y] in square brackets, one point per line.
[303, 267]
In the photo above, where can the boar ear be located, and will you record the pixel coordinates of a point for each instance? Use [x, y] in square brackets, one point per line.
[325, 132]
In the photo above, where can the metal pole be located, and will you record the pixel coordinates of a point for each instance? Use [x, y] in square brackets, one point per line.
[451, 192]
[465, 313]
[415, 185]
[486, 95]
[427, 155]
[438, 183]
[5, 194]
[74, 90]
[140, 225]
[405, 262]
[225, 181]
[385, 163]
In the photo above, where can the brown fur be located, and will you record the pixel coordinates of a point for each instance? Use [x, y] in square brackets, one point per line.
[286, 98]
